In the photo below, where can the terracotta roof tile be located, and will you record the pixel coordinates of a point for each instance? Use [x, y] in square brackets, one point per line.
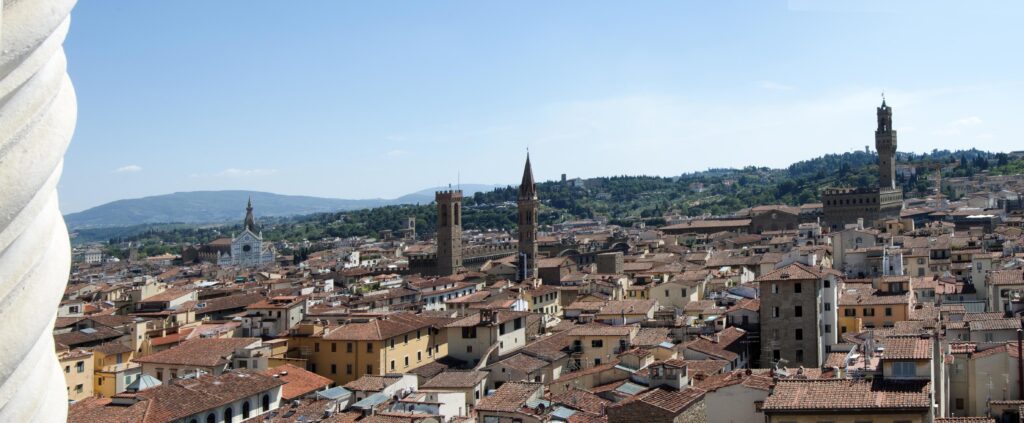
[509, 397]
[845, 394]
[297, 381]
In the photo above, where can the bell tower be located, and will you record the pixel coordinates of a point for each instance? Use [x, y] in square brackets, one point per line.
[528, 205]
[885, 143]
[449, 231]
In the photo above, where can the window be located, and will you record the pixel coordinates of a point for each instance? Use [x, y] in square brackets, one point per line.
[334, 369]
[469, 333]
[469, 348]
[334, 347]
[798, 287]
[828, 306]
[904, 369]
[100, 382]
[517, 323]
[160, 374]
[78, 388]
[888, 311]
[348, 347]
[775, 312]
[597, 343]
[80, 367]
[369, 347]
[799, 334]
[348, 369]
[67, 369]
[406, 361]
[419, 356]
[369, 369]
[683, 292]
[959, 403]
[775, 288]
[828, 328]
[868, 312]
[210, 418]
[597, 361]
[316, 347]
[392, 364]
[776, 355]
[988, 337]
[228, 415]
[798, 311]
[827, 283]
[266, 401]
[245, 410]
[392, 341]
[850, 312]
[799, 356]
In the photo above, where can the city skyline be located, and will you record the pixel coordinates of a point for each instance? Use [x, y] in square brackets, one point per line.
[347, 95]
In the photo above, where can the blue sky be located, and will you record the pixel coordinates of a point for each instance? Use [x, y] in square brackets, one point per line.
[381, 98]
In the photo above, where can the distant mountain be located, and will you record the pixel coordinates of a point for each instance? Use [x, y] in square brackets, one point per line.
[224, 206]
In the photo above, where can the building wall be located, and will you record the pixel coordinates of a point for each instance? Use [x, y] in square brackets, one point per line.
[779, 333]
[735, 404]
[607, 351]
[78, 376]
[255, 408]
[333, 359]
[674, 294]
[879, 320]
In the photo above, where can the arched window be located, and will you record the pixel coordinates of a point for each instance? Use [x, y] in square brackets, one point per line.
[266, 403]
[228, 415]
[210, 418]
[245, 409]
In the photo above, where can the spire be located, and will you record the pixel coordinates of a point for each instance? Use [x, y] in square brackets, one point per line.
[528, 188]
[250, 221]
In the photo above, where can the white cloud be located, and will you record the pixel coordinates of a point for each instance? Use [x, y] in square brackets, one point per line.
[967, 121]
[128, 168]
[397, 152]
[775, 86]
[242, 173]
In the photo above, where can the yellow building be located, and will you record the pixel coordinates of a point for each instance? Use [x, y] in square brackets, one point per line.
[78, 373]
[861, 309]
[395, 343]
[114, 370]
[543, 299]
[595, 344]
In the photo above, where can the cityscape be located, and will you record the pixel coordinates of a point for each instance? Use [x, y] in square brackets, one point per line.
[856, 281]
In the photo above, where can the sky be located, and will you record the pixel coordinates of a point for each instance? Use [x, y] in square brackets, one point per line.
[376, 99]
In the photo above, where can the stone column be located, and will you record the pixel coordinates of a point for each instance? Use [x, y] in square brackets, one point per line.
[37, 118]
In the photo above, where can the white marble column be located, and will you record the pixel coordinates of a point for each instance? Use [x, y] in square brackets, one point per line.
[37, 118]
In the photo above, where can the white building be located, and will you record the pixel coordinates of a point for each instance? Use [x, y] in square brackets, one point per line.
[248, 248]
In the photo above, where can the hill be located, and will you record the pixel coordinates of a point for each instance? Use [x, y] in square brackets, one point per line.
[201, 207]
[621, 200]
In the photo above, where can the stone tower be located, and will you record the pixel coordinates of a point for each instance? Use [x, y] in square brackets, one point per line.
[885, 143]
[449, 232]
[528, 205]
[250, 221]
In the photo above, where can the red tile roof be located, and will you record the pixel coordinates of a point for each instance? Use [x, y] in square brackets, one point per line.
[297, 381]
[792, 395]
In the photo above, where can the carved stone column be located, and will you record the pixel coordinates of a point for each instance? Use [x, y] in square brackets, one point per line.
[37, 118]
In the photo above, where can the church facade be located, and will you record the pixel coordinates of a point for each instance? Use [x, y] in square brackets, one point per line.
[843, 206]
[248, 248]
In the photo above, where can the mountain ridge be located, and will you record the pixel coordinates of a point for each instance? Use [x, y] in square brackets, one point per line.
[218, 206]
